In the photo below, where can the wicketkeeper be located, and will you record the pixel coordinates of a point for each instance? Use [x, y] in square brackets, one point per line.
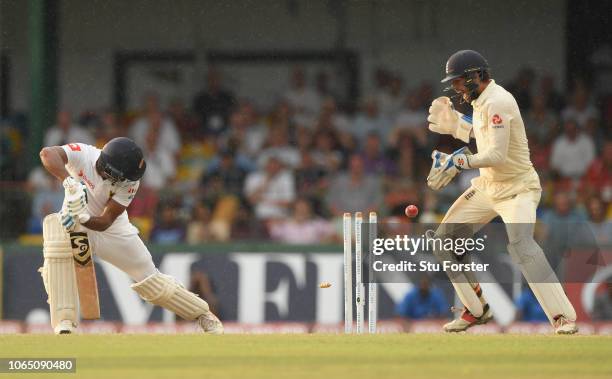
[508, 186]
[105, 182]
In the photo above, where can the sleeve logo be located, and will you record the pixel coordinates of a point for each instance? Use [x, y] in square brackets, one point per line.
[496, 119]
[74, 147]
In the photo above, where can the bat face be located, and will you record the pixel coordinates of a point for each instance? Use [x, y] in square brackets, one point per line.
[85, 276]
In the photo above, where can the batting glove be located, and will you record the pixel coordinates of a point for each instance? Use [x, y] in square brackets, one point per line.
[75, 196]
[70, 221]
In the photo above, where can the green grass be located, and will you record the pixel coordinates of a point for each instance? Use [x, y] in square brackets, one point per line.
[320, 356]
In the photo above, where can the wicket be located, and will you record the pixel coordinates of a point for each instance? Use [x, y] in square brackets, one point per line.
[348, 274]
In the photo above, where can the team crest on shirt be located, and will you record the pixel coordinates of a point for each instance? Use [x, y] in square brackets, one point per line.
[496, 119]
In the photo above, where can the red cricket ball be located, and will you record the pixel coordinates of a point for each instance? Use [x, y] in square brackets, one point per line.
[412, 211]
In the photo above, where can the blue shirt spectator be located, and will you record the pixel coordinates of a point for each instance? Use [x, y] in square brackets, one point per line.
[423, 302]
[529, 308]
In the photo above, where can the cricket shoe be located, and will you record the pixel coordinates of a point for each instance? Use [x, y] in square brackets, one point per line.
[64, 327]
[467, 320]
[564, 326]
[210, 324]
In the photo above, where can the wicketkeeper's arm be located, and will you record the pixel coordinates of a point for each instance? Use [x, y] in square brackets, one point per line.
[498, 139]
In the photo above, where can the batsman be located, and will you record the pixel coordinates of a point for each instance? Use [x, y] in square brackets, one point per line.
[508, 186]
[100, 184]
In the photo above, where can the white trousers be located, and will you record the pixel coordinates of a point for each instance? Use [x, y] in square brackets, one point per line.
[127, 252]
[519, 214]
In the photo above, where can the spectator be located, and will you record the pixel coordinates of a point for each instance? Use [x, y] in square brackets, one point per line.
[401, 189]
[601, 228]
[153, 119]
[580, 110]
[229, 172]
[375, 160]
[369, 120]
[558, 225]
[354, 191]
[423, 302]
[305, 101]
[425, 94]
[213, 105]
[303, 139]
[186, 125]
[572, 152]
[64, 131]
[598, 178]
[161, 167]
[554, 99]
[322, 85]
[278, 146]
[303, 227]
[311, 178]
[168, 228]
[331, 116]
[563, 211]
[602, 307]
[540, 122]
[198, 229]
[48, 196]
[270, 190]
[256, 131]
[108, 128]
[412, 119]
[429, 214]
[528, 308]
[244, 142]
[326, 153]
[390, 100]
[381, 79]
[521, 88]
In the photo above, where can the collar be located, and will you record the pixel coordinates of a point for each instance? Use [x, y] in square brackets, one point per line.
[483, 96]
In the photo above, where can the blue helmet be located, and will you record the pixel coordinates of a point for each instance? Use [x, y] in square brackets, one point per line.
[121, 159]
[463, 63]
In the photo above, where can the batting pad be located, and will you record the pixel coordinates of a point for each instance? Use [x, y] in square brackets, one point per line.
[530, 257]
[165, 291]
[58, 271]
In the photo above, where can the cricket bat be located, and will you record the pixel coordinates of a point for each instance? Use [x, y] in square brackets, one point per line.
[85, 271]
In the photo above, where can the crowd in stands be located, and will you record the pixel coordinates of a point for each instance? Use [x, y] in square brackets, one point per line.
[220, 169]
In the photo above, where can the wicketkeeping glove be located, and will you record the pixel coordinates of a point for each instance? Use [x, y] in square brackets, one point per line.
[445, 167]
[444, 119]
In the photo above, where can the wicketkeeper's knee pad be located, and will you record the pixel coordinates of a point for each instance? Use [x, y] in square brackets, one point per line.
[530, 257]
[165, 291]
[58, 271]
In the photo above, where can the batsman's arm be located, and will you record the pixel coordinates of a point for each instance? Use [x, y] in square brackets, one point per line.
[100, 223]
[54, 159]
